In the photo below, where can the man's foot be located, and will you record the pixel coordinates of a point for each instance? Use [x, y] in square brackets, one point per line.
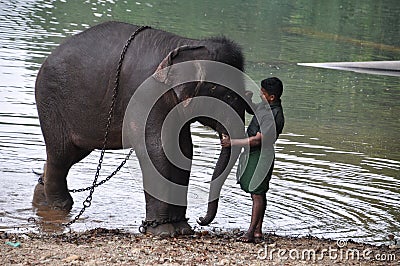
[246, 238]
[258, 238]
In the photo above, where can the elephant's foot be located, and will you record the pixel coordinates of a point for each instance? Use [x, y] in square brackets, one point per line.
[39, 198]
[167, 229]
[183, 228]
[57, 202]
[63, 203]
[162, 230]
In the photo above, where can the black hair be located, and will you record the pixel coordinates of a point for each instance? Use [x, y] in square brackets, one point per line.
[227, 51]
[273, 86]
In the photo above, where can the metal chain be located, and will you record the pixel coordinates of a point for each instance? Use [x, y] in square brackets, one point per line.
[154, 223]
[107, 178]
[88, 201]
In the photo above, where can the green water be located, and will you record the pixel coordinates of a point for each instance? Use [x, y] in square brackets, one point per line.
[337, 171]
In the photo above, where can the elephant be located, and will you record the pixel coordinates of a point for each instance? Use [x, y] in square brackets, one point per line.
[73, 92]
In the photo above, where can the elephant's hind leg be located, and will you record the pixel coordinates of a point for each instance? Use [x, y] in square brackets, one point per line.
[54, 192]
[55, 186]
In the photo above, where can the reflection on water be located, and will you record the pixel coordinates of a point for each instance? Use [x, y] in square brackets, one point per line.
[49, 220]
[338, 161]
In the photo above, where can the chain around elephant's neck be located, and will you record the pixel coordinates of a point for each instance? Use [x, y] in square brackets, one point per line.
[88, 201]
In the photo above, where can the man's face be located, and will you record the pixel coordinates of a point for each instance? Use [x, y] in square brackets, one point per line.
[265, 97]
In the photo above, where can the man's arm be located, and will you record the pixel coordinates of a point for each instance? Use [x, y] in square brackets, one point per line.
[251, 141]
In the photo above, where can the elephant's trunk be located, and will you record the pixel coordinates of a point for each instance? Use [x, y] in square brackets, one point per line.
[222, 169]
[211, 212]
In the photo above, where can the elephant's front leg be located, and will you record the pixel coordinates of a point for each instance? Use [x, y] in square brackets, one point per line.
[165, 219]
[166, 174]
[179, 210]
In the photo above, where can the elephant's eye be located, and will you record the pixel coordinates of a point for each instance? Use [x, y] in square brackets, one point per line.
[230, 98]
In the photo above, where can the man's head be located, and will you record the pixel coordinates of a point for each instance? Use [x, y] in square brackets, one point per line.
[271, 89]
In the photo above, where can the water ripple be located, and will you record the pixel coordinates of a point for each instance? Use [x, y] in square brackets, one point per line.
[318, 187]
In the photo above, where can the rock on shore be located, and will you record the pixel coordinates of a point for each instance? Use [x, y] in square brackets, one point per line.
[105, 247]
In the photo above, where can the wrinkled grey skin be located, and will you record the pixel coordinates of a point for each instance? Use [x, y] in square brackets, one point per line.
[74, 89]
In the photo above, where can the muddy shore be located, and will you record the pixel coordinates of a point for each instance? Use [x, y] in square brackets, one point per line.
[106, 247]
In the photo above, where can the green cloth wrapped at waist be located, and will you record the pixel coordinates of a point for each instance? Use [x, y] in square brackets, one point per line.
[255, 170]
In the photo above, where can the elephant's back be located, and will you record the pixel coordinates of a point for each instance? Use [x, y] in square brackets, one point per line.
[107, 38]
[85, 60]
[76, 81]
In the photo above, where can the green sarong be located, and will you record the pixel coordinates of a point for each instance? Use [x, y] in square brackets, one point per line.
[255, 170]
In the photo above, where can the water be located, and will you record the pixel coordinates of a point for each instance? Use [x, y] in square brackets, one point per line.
[338, 160]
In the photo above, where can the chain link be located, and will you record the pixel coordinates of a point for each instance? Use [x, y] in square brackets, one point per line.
[107, 178]
[88, 201]
[154, 223]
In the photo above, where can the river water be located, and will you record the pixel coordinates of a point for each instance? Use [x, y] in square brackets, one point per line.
[338, 159]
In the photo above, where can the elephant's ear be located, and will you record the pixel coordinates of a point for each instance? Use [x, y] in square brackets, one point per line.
[161, 74]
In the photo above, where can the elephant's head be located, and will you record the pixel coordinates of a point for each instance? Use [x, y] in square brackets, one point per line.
[214, 96]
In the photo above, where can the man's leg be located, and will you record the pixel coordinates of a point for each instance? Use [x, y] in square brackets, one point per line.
[263, 205]
[257, 214]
